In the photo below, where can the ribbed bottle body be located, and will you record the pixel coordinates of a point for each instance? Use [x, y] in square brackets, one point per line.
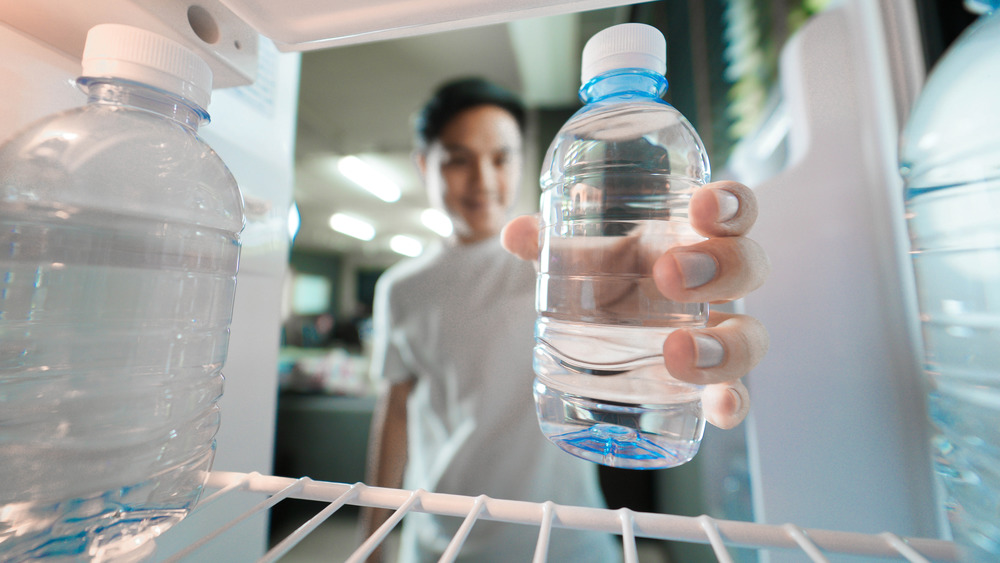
[950, 161]
[119, 246]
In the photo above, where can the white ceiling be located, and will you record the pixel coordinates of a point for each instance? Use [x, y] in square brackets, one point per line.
[361, 99]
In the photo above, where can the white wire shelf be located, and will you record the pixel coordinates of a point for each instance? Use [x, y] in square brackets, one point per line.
[721, 535]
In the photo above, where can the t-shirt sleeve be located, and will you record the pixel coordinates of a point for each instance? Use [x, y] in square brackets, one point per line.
[387, 359]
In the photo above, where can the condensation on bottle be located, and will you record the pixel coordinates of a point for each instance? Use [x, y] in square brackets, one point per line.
[950, 162]
[119, 245]
[616, 183]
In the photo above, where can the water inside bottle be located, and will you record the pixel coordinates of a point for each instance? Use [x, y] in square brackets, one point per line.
[602, 391]
[619, 406]
[608, 279]
[106, 323]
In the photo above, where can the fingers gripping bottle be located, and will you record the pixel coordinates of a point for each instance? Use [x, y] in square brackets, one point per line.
[119, 243]
[616, 183]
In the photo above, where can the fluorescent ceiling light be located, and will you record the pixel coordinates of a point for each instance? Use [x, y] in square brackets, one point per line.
[362, 174]
[405, 245]
[352, 226]
[437, 222]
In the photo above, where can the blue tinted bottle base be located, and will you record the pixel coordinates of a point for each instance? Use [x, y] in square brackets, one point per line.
[620, 435]
[116, 526]
[98, 528]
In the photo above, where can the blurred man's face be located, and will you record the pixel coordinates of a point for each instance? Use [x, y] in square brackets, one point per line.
[473, 169]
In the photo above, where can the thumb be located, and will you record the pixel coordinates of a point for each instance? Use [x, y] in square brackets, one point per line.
[520, 237]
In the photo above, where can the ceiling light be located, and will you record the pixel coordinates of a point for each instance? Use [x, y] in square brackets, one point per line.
[405, 245]
[437, 221]
[352, 226]
[362, 174]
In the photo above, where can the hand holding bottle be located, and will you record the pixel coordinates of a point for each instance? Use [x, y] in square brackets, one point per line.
[725, 266]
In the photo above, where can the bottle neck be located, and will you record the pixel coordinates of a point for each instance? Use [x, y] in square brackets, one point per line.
[621, 82]
[139, 96]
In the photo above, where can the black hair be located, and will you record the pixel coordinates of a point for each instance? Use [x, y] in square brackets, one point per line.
[456, 96]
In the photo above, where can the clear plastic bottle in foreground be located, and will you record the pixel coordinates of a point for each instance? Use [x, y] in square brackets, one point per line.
[615, 189]
[950, 160]
[119, 243]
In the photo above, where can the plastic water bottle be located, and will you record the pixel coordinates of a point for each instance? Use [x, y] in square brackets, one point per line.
[616, 183]
[950, 160]
[119, 243]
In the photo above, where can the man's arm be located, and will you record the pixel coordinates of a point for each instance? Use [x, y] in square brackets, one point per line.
[386, 452]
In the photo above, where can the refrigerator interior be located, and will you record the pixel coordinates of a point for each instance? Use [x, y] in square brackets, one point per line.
[837, 436]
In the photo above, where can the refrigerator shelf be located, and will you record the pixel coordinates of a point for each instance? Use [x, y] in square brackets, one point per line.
[719, 534]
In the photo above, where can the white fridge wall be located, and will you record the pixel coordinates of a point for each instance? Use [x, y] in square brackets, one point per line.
[38, 80]
[837, 430]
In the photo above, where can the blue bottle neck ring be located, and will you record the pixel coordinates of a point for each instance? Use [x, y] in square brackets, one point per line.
[627, 81]
[142, 96]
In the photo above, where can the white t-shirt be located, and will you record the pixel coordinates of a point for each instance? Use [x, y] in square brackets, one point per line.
[460, 320]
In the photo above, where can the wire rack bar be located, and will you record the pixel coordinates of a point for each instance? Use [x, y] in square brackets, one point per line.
[242, 482]
[711, 528]
[545, 530]
[903, 548]
[703, 529]
[628, 536]
[803, 541]
[304, 530]
[451, 552]
[369, 545]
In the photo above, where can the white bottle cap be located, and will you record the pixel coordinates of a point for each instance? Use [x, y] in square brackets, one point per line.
[628, 45]
[130, 53]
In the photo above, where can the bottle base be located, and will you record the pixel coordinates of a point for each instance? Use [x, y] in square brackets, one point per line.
[628, 436]
[114, 534]
[117, 526]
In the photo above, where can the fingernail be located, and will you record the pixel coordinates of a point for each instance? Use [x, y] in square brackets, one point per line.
[729, 205]
[697, 269]
[736, 397]
[710, 352]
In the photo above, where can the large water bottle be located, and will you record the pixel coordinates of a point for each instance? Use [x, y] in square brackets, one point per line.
[950, 159]
[119, 243]
[616, 183]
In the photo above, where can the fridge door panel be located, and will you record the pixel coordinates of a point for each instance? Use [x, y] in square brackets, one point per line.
[838, 427]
